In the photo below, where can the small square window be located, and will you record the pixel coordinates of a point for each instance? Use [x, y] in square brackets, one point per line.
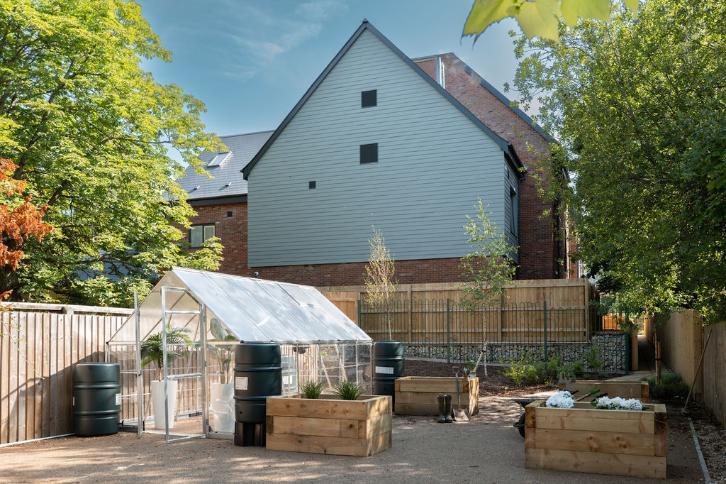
[369, 99]
[369, 153]
[312, 185]
[230, 214]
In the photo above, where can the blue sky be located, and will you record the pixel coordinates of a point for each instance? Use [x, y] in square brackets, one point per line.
[250, 61]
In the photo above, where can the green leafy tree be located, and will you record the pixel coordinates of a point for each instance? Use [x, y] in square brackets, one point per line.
[537, 18]
[488, 267]
[639, 107]
[90, 132]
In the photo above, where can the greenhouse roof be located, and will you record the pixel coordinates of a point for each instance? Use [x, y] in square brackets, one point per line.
[248, 309]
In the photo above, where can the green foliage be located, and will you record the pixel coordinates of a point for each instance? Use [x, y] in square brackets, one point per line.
[380, 278]
[91, 133]
[638, 106]
[671, 386]
[152, 348]
[312, 390]
[593, 358]
[347, 390]
[488, 267]
[537, 18]
[522, 373]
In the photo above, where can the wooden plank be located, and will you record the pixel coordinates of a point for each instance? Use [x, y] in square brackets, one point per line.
[317, 445]
[30, 378]
[323, 427]
[22, 380]
[653, 467]
[625, 389]
[607, 442]
[13, 384]
[300, 407]
[595, 420]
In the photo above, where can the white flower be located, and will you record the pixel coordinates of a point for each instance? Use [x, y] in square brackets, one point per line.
[561, 399]
[618, 403]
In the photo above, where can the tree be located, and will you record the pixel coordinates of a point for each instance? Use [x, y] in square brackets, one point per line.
[537, 18]
[91, 132]
[380, 276]
[20, 221]
[639, 107]
[488, 267]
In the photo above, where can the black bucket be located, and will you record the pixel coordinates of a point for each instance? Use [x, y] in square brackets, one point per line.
[387, 366]
[96, 398]
[257, 375]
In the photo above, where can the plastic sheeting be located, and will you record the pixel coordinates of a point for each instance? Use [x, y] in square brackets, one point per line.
[246, 308]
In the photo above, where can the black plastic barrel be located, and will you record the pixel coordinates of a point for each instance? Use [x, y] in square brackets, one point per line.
[387, 366]
[96, 398]
[257, 375]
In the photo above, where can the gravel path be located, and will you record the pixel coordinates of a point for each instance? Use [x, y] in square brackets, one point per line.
[487, 449]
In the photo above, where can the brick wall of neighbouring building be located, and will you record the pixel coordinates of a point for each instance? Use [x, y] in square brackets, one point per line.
[539, 250]
[230, 222]
[353, 273]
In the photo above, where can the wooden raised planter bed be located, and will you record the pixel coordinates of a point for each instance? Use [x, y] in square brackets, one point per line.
[585, 439]
[416, 395]
[624, 389]
[328, 425]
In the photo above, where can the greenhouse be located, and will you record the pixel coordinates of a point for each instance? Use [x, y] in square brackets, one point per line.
[176, 351]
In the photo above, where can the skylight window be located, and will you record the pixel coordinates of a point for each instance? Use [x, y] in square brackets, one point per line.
[218, 159]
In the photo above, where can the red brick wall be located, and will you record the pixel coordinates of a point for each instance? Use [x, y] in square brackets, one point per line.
[538, 247]
[232, 232]
[353, 273]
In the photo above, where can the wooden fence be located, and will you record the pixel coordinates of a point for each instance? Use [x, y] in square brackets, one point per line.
[714, 371]
[683, 337]
[39, 345]
[446, 321]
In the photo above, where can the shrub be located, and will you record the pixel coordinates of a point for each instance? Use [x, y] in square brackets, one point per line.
[522, 373]
[671, 386]
[348, 390]
[312, 390]
[593, 358]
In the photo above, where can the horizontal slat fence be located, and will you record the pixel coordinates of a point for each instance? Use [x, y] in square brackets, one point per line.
[39, 345]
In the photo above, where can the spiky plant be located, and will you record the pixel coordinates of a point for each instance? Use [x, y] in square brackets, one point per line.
[347, 390]
[152, 348]
[312, 390]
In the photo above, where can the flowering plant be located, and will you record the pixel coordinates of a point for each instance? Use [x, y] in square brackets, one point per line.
[562, 399]
[618, 403]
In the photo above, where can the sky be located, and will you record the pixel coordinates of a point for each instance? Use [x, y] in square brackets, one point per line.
[250, 61]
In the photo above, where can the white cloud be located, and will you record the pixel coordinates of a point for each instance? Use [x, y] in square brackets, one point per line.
[261, 35]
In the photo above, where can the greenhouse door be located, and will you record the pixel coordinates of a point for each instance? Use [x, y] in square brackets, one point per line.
[181, 396]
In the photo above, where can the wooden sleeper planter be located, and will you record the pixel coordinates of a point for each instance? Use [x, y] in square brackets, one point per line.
[614, 388]
[416, 395]
[586, 439]
[328, 425]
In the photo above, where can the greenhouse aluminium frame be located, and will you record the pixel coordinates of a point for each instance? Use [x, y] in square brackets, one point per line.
[191, 321]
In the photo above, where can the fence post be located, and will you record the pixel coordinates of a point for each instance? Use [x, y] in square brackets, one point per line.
[448, 331]
[410, 314]
[545, 331]
[359, 303]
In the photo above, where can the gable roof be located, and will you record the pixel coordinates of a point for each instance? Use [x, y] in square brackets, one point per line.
[225, 181]
[496, 93]
[503, 144]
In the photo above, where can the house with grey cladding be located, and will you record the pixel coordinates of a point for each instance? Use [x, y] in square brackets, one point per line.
[402, 145]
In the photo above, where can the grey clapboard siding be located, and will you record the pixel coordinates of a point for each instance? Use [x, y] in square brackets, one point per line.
[433, 164]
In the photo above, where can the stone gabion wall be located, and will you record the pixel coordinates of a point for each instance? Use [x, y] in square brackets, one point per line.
[614, 351]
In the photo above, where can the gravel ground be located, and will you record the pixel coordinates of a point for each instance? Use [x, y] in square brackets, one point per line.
[712, 439]
[487, 449]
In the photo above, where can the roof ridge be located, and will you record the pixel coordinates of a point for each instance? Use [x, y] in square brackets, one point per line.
[245, 134]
